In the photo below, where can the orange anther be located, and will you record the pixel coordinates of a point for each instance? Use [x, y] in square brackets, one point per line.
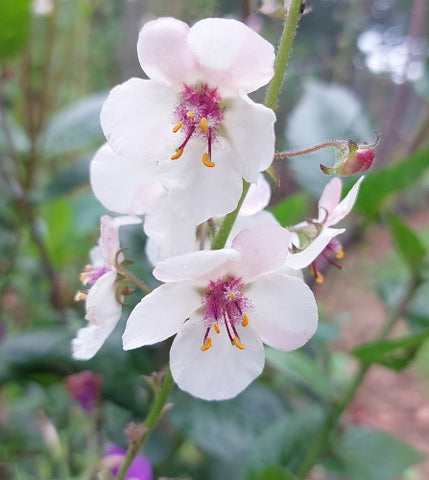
[237, 344]
[216, 327]
[206, 160]
[207, 344]
[178, 154]
[203, 124]
[339, 254]
[190, 114]
[245, 321]
[178, 126]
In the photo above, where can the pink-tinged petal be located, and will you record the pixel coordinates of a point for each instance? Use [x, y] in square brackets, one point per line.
[109, 239]
[257, 197]
[90, 339]
[308, 255]
[136, 117]
[160, 314]
[285, 311]
[233, 56]
[197, 192]
[125, 185]
[124, 220]
[198, 267]
[163, 51]
[263, 248]
[168, 235]
[222, 371]
[345, 206]
[101, 305]
[254, 151]
[329, 199]
[244, 222]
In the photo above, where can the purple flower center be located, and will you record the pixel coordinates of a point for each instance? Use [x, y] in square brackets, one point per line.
[198, 114]
[332, 251]
[225, 305]
[91, 274]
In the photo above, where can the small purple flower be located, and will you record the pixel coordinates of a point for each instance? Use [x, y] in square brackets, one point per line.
[85, 388]
[140, 468]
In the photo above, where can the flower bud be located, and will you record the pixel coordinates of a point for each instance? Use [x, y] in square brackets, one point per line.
[85, 388]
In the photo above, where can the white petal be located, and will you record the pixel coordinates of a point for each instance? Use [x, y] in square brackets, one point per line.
[198, 267]
[137, 118]
[197, 192]
[330, 198]
[263, 248]
[249, 221]
[125, 185]
[160, 314]
[250, 130]
[233, 55]
[308, 255]
[164, 53]
[345, 206]
[220, 372]
[90, 339]
[257, 197]
[101, 305]
[285, 311]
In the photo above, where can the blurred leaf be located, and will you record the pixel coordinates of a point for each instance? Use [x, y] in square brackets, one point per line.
[378, 186]
[407, 243]
[74, 177]
[364, 454]
[284, 442]
[271, 472]
[12, 136]
[417, 314]
[15, 21]
[302, 369]
[75, 128]
[292, 209]
[391, 290]
[324, 112]
[395, 354]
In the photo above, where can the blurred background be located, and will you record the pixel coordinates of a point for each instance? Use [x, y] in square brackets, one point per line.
[358, 68]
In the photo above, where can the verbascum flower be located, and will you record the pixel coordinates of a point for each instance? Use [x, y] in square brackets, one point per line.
[192, 118]
[224, 305]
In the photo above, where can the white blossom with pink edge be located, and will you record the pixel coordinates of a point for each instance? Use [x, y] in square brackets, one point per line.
[192, 118]
[331, 211]
[103, 310]
[235, 301]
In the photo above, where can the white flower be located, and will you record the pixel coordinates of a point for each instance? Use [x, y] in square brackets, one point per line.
[103, 309]
[235, 301]
[310, 239]
[193, 119]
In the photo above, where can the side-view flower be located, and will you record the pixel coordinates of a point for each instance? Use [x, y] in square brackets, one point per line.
[193, 119]
[236, 300]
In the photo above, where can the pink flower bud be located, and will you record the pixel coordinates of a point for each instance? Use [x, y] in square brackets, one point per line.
[85, 388]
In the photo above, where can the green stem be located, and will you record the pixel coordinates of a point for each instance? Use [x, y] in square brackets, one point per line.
[305, 151]
[149, 424]
[321, 442]
[283, 54]
[132, 278]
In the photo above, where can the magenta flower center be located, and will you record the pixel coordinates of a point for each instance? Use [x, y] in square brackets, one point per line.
[91, 274]
[225, 307]
[331, 252]
[198, 114]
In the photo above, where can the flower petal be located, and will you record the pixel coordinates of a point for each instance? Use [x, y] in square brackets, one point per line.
[124, 185]
[164, 53]
[90, 339]
[257, 197]
[136, 117]
[160, 314]
[101, 305]
[220, 372]
[197, 192]
[329, 199]
[346, 204]
[198, 267]
[263, 248]
[255, 152]
[233, 55]
[308, 255]
[285, 311]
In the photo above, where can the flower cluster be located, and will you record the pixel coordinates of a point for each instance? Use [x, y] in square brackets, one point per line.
[180, 147]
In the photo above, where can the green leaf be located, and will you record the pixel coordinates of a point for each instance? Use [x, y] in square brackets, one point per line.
[395, 354]
[302, 369]
[324, 112]
[15, 21]
[271, 472]
[379, 186]
[292, 209]
[407, 243]
[364, 454]
[284, 442]
[417, 314]
[75, 128]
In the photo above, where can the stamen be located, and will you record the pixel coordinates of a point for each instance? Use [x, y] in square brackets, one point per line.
[232, 295]
[207, 344]
[319, 277]
[206, 160]
[178, 154]
[245, 321]
[339, 254]
[80, 296]
[216, 327]
[190, 114]
[203, 124]
[178, 126]
[237, 344]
